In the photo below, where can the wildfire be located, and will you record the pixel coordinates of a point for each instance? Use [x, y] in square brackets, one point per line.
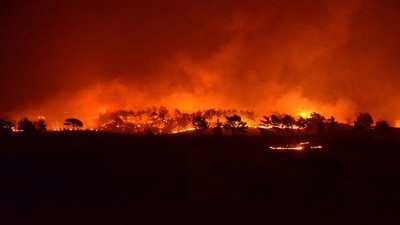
[160, 120]
[296, 147]
[287, 148]
[316, 147]
[183, 130]
[13, 129]
[304, 114]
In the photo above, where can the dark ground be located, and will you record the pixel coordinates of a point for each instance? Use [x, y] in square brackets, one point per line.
[94, 178]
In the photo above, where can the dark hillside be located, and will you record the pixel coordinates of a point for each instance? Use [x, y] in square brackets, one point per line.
[98, 178]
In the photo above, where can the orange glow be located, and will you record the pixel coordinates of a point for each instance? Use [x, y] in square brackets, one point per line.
[304, 114]
[13, 129]
[260, 56]
[163, 120]
[299, 148]
[89, 104]
[183, 130]
[296, 147]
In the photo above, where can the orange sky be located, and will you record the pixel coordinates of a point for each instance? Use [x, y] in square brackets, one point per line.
[64, 59]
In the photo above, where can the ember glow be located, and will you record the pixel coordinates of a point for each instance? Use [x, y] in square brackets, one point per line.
[297, 147]
[161, 120]
[84, 59]
[304, 114]
[397, 123]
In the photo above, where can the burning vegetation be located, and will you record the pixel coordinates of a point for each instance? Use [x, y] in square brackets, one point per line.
[296, 147]
[161, 120]
[236, 122]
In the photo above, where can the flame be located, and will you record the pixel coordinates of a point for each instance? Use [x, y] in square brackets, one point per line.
[13, 129]
[183, 130]
[304, 114]
[309, 62]
[298, 148]
[160, 120]
[105, 97]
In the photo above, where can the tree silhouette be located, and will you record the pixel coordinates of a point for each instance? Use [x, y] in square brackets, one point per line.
[331, 121]
[218, 128]
[41, 124]
[316, 122]
[200, 124]
[331, 124]
[6, 126]
[302, 122]
[276, 120]
[266, 122]
[235, 124]
[26, 125]
[73, 122]
[288, 121]
[364, 121]
[382, 126]
[264, 125]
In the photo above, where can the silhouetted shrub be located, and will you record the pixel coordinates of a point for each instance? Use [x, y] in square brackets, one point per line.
[41, 125]
[288, 121]
[316, 123]
[200, 124]
[383, 130]
[235, 124]
[217, 130]
[302, 122]
[26, 125]
[364, 121]
[382, 125]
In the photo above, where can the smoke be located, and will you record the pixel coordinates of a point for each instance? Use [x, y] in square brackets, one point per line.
[81, 60]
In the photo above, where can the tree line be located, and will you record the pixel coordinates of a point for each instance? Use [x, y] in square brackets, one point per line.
[316, 123]
[29, 126]
[277, 122]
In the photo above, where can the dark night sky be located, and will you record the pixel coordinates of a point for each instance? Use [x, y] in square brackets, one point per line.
[79, 58]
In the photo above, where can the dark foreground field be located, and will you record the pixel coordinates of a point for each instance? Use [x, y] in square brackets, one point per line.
[94, 178]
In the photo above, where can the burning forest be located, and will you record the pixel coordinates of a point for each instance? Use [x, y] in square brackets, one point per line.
[199, 112]
[160, 120]
[261, 56]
